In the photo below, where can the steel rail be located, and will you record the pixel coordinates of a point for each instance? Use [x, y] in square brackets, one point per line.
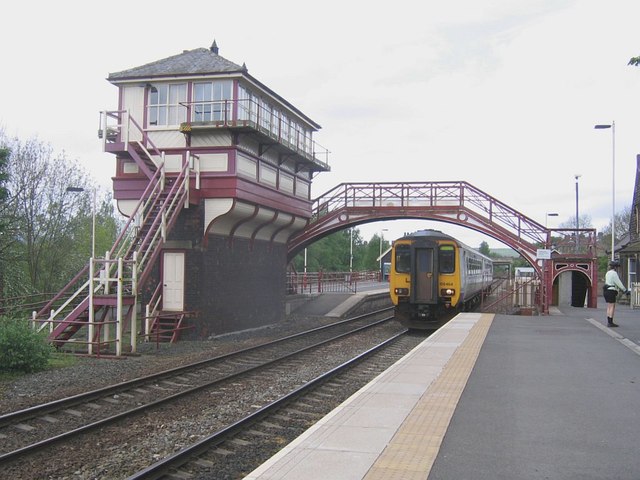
[134, 411]
[160, 468]
[37, 410]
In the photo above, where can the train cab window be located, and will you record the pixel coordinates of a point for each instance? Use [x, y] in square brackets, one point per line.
[403, 258]
[447, 259]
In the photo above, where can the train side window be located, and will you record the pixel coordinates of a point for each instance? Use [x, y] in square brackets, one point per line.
[447, 259]
[403, 258]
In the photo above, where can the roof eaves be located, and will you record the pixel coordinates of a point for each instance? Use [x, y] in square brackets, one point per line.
[199, 62]
[174, 76]
[281, 99]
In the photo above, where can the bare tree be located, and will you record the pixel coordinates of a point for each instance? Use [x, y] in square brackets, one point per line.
[623, 219]
[46, 231]
[584, 221]
[4, 217]
[38, 182]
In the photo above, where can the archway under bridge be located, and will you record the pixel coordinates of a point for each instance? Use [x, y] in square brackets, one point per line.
[550, 251]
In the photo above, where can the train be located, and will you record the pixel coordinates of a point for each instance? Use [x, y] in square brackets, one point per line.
[434, 276]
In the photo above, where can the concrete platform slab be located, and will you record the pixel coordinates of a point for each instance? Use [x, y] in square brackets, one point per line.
[504, 397]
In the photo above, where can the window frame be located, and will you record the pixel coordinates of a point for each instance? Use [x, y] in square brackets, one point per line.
[215, 98]
[167, 109]
[403, 253]
[446, 262]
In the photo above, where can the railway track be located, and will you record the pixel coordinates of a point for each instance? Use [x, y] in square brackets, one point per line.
[33, 429]
[237, 449]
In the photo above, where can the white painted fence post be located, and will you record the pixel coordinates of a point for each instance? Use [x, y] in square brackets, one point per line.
[119, 310]
[91, 312]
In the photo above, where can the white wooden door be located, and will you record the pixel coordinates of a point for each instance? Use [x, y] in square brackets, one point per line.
[173, 281]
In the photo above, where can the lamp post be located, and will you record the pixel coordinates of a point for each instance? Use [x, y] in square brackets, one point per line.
[577, 176]
[93, 217]
[351, 251]
[612, 126]
[545, 266]
[380, 256]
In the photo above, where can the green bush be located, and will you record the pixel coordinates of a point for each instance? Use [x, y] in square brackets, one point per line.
[21, 348]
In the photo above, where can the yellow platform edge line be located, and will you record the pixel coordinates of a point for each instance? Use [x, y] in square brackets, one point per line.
[413, 449]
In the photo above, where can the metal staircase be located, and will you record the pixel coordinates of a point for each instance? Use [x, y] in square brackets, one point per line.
[163, 326]
[104, 294]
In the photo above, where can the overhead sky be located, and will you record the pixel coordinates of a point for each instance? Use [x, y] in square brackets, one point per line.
[503, 94]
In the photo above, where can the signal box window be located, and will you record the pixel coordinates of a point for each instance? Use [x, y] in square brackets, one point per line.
[164, 104]
[447, 259]
[211, 101]
[403, 258]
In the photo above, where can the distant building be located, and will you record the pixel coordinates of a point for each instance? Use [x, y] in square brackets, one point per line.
[628, 248]
[504, 252]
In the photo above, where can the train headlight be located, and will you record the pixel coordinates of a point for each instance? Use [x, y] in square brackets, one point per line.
[447, 292]
[401, 291]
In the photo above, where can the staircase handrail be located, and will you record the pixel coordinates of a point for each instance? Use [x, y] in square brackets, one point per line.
[64, 290]
[128, 238]
[149, 193]
[101, 277]
[122, 242]
[52, 315]
[147, 247]
[146, 137]
[154, 182]
[147, 153]
[120, 125]
[152, 309]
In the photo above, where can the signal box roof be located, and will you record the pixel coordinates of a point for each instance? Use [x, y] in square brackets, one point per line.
[203, 62]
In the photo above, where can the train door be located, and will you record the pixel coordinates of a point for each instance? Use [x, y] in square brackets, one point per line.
[425, 275]
[173, 281]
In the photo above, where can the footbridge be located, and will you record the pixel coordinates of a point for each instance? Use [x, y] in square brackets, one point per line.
[459, 203]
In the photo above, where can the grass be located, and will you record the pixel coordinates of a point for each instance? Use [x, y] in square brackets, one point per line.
[56, 360]
[61, 360]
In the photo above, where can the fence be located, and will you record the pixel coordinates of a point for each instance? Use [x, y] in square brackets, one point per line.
[329, 282]
[513, 296]
[634, 298]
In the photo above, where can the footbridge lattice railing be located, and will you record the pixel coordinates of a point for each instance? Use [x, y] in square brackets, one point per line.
[456, 202]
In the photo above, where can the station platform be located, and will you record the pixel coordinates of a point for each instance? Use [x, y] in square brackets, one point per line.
[339, 304]
[489, 397]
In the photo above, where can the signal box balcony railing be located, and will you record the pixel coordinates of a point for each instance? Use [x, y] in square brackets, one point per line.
[250, 115]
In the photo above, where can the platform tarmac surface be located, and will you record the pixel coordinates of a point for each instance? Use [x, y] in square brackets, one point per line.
[489, 397]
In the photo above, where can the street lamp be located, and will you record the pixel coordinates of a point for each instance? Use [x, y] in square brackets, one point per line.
[351, 251]
[380, 256]
[546, 220]
[577, 176]
[93, 217]
[612, 126]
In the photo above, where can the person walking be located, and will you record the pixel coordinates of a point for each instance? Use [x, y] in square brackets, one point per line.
[612, 285]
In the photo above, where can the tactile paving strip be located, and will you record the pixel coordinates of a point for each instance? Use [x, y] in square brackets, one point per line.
[413, 449]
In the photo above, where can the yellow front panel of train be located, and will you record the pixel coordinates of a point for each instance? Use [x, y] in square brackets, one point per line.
[449, 276]
[399, 276]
